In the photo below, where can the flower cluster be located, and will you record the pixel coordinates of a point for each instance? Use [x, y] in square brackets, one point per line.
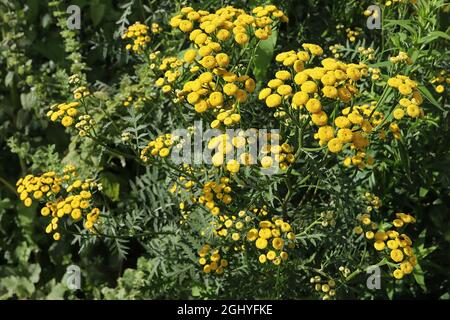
[63, 194]
[64, 113]
[326, 287]
[440, 81]
[161, 146]
[271, 237]
[205, 27]
[212, 192]
[401, 57]
[211, 260]
[169, 67]
[81, 92]
[138, 34]
[220, 84]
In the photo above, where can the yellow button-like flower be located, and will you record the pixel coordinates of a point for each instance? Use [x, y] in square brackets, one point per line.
[261, 243]
[273, 100]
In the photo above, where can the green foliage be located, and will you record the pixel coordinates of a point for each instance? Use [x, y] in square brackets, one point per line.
[147, 246]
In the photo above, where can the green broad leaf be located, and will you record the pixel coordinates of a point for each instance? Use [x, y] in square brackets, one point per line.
[423, 192]
[263, 57]
[9, 79]
[97, 12]
[111, 185]
[433, 36]
[429, 97]
[28, 100]
[405, 24]
[419, 277]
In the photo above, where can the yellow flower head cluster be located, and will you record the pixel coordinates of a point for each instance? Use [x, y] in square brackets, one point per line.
[227, 23]
[36, 187]
[161, 146]
[398, 244]
[64, 195]
[156, 28]
[221, 83]
[232, 226]
[441, 82]
[218, 90]
[282, 156]
[403, 84]
[213, 192]
[300, 87]
[81, 92]
[211, 260]
[64, 113]
[352, 34]
[401, 57]
[170, 71]
[327, 287]
[138, 34]
[272, 237]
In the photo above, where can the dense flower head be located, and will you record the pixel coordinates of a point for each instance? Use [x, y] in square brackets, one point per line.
[138, 34]
[211, 260]
[64, 194]
[161, 147]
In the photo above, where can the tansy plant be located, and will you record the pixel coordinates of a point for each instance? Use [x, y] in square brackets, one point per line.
[332, 116]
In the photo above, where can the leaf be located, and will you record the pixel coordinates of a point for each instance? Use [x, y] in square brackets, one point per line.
[419, 277]
[433, 36]
[263, 56]
[111, 185]
[430, 97]
[28, 100]
[97, 12]
[9, 79]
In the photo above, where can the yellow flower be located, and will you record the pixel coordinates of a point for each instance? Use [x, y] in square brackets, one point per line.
[67, 121]
[300, 98]
[413, 111]
[241, 38]
[264, 93]
[345, 135]
[397, 255]
[190, 55]
[271, 255]
[379, 245]
[335, 145]
[278, 243]
[222, 60]
[233, 166]
[440, 88]
[261, 243]
[284, 90]
[274, 100]
[230, 89]
[262, 258]
[283, 75]
[266, 162]
[398, 274]
[216, 99]
[313, 105]
[252, 234]
[398, 113]
[309, 87]
[405, 89]
[265, 233]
